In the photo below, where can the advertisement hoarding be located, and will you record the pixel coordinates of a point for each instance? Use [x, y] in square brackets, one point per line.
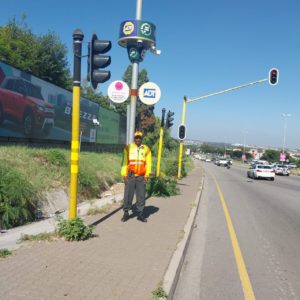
[33, 108]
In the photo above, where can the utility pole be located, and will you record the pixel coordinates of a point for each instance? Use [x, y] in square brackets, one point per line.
[77, 46]
[285, 116]
[134, 82]
[179, 175]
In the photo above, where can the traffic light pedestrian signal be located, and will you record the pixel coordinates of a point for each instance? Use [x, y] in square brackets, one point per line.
[170, 119]
[96, 61]
[181, 132]
[273, 76]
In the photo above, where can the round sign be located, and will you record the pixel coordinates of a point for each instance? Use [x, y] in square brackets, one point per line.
[149, 93]
[118, 91]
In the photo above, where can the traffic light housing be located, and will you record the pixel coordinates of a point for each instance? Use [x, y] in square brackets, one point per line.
[273, 76]
[181, 132]
[96, 61]
[170, 119]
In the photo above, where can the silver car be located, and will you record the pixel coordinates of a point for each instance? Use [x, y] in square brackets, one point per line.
[261, 171]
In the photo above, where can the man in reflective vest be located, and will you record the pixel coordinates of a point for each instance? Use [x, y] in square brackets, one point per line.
[136, 168]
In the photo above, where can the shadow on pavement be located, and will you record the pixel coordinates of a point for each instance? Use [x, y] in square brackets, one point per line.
[150, 210]
[106, 217]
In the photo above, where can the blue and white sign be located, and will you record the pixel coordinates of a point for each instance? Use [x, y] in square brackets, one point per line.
[149, 93]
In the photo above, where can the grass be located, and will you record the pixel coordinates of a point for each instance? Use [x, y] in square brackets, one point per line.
[44, 236]
[4, 253]
[102, 210]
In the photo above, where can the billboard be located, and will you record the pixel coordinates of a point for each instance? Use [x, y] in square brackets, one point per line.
[33, 108]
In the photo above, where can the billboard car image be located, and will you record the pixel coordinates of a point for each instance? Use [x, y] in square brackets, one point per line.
[31, 107]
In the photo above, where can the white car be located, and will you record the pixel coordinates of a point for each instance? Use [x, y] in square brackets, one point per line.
[261, 171]
[282, 170]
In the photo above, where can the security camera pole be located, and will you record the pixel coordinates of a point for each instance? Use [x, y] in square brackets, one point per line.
[137, 36]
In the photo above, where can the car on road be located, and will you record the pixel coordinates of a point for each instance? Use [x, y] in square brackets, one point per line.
[261, 171]
[281, 170]
[22, 102]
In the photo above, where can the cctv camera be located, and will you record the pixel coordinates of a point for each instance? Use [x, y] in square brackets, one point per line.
[140, 43]
[96, 122]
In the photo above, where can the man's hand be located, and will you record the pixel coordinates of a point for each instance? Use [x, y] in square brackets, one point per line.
[125, 178]
[145, 179]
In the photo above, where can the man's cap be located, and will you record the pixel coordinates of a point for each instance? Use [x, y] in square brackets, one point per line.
[138, 133]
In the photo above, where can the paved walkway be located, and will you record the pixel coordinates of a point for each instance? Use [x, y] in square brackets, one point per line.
[126, 261]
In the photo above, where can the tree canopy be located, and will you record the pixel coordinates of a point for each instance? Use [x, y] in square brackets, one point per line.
[44, 56]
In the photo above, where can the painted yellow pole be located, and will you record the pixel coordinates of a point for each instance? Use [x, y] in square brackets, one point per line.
[74, 152]
[161, 135]
[181, 141]
[77, 39]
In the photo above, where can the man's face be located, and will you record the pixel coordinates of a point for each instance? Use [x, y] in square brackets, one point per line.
[138, 140]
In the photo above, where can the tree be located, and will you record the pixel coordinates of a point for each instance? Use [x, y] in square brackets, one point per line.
[89, 93]
[44, 56]
[271, 155]
[145, 119]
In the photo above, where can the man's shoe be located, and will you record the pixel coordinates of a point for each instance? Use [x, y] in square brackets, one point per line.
[125, 217]
[142, 219]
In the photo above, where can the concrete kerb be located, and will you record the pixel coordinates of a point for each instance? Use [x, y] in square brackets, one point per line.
[9, 239]
[172, 274]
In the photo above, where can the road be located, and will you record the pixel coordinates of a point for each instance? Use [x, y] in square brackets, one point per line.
[246, 239]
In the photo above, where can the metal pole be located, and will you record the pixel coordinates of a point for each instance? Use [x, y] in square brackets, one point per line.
[77, 43]
[227, 90]
[134, 81]
[181, 141]
[127, 124]
[284, 130]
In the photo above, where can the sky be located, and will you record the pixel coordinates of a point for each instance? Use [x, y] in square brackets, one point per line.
[207, 46]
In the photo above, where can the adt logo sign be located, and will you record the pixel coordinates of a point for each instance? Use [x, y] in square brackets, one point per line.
[149, 93]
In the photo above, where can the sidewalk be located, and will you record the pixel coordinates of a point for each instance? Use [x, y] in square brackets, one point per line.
[125, 261]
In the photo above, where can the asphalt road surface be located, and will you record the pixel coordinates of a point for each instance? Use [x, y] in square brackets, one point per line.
[246, 239]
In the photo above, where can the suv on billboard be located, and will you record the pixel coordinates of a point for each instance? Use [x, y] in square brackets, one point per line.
[21, 101]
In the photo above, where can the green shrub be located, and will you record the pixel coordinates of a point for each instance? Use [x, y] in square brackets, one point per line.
[5, 252]
[159, 293]
[73, 230]
[88, 183]
[16, 194]
[162, 187]
[57, 158]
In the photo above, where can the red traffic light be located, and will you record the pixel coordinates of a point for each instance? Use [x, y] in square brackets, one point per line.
[273, 76]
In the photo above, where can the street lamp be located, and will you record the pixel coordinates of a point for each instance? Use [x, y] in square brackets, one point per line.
[285, 116]
[244, 153]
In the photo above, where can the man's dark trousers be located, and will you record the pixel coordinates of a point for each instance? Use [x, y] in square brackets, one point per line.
[135, 184]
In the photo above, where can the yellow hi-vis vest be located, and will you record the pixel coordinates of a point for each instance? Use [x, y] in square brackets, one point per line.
[136, 160]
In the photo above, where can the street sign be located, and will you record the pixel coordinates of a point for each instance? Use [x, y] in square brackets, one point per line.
[118, 91]
[149, 93]
[282, 156]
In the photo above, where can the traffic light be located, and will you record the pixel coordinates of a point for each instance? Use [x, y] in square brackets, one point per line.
[181, 132]
[273, 76]
[96, 60]
[170, 119]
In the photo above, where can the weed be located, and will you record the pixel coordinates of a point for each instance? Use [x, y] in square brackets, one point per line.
[159, 293]
[4, 253]
[16, 193]
[44, 236]
[73, 230]
[181, 235]
[162, 187]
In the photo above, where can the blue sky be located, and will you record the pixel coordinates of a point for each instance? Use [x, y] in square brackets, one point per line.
[206, 46]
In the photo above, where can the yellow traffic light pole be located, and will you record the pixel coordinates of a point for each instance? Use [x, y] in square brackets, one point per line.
[77, 41]
[160, 145]
[181, 141]
[185, 101]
